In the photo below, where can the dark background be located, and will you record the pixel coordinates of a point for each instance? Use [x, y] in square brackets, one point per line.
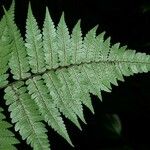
[127, 22]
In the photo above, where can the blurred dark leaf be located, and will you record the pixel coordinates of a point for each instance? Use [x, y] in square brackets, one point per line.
[145, 7]
[111, 125]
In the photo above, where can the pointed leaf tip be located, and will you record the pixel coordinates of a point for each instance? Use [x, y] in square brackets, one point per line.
[4, 9]
[79, 22]
[96, 27]
[13, 4]
[29, 8]
[69, 141]
[47, 10]
[47, 14]
[62, 16]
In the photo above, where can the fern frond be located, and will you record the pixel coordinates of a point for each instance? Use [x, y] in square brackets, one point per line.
[4, 57]
[7, 138]
[5, 47]
[76, 44]
[50, 42]
[60, 71]
[26, 117]
[89, 49]
[83, 95]
[3, 20]
[34, 44]
[18, 63]
[63, 42]
[60, 99]
[70, 93]
[51, 115]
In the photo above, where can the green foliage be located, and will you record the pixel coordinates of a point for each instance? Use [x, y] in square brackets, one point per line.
[53, 73]
[25, 116]
[7, 139]
[5, 47]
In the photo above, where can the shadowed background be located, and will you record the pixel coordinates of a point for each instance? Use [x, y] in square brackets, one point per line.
[127, 22]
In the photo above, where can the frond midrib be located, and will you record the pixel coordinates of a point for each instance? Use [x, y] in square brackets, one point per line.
[72, 65]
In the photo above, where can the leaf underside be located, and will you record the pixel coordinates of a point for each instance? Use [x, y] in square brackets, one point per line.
[55, 71]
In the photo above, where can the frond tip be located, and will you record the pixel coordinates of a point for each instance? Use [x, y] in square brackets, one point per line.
[54, 72]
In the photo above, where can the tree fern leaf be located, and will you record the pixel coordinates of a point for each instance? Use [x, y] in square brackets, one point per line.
[3, 20]
[18, 63]
[89, 48]
[77, 44]
[106, 48]
[117, 68]
[59, 71]
[113, 52]
[5, 47]
[143, 57]
[118, 72]
[110, 76]
[103, 85]
[89, 81]
[40, 94]
[59, 97]
[50, 43]
[4, 57]
[63, 41]
[132, 64]
[82, 95]
[111, 73]
[71, 93]
[98, 46]
[26, 117]
[34, 44]
[7, 139]
[3, 80]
